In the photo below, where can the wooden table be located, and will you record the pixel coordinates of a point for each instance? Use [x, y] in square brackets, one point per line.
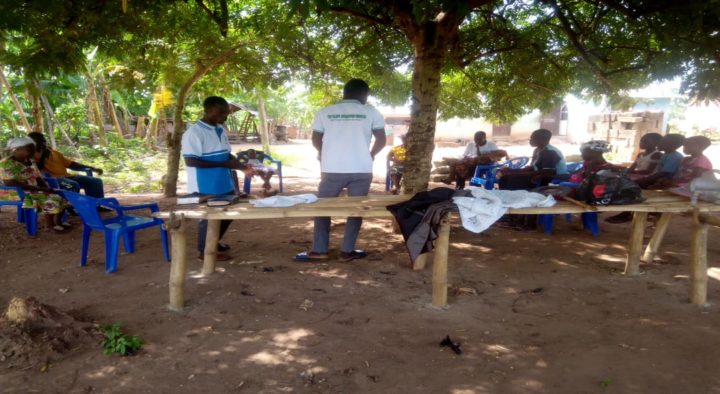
[374, 207]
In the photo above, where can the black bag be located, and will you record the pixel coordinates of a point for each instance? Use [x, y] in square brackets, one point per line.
[609, 187]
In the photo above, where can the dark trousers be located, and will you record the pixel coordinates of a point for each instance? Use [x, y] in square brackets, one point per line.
[202, 233]
[93, 186]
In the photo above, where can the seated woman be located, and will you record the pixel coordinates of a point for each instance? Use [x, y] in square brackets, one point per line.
[647, 161]
[547, 163]
[480, 151]
[593, 160]
[19, 170]
[253, 157]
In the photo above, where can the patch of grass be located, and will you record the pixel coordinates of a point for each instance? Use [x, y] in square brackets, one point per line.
[118, 342]
[605, 383]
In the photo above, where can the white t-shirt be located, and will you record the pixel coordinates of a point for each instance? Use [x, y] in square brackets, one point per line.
[471, 151]
[347, 130]
[209, 143]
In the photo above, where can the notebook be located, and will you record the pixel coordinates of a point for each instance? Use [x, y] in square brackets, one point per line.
[193, 198]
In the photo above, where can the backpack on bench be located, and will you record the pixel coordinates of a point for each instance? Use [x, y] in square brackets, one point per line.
[609, 187]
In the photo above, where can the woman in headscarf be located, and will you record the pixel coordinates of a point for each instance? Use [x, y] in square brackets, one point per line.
[18, 169]
[593, 161]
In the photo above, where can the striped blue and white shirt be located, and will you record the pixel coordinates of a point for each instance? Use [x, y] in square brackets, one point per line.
[210, 143]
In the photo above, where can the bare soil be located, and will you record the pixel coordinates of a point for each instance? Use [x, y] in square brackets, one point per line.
[550, 314]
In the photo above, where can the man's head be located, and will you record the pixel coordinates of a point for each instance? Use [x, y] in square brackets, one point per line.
[694, 146]
[650, 141]
[39, 139]
[593, 150]
[356, 89]
[217, 110]
[480, 138]
[251, 153]
[671, 142]
[540, 138]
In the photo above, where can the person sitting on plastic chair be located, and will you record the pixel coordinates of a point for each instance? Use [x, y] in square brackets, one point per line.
[480, 151]
[56, 164]
[396, 161]
[19, 170]
[254, 159]
[593, 160]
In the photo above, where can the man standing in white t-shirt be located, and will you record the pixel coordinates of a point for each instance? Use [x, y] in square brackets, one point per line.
[342, 134]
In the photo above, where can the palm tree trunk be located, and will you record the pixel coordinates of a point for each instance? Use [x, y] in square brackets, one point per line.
[51, 117]
[109, 106]
[94, 108]
[15, 101]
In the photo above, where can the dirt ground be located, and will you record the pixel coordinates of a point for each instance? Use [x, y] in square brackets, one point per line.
[552, 314]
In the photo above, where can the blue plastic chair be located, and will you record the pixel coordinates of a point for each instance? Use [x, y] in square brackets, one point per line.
[485, 173]
[123, 225]
[278, 170]
[589, 219]
[24, 215]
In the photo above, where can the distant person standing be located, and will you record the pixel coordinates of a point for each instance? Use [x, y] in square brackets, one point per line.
[209, 163]
[342, 134]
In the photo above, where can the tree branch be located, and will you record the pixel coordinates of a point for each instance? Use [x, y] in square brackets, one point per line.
[220, 19]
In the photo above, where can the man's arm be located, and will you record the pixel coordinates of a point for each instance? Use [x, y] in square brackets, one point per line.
[82, 167]
[380, 141]
[231, 163]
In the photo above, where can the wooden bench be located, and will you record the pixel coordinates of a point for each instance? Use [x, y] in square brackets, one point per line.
[374, 207]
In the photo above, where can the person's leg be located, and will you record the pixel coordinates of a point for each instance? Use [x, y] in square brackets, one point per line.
[93, 186]
[459, 183]
[330, 186]
[357, 185]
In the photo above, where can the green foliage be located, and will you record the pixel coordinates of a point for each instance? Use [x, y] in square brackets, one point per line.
[118, 342]
[128, 165]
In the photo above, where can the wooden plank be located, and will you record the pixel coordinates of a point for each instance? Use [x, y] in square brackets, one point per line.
[711, 220]
[211, 242]
[632, 264]
[698, 262]
[178, 266]
[660, 228]
[440, 264]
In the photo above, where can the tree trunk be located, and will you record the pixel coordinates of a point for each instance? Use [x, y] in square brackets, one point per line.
[175, 138]
[110, 107]
[264, 135]
[51, 117]
[152, 131]
[94, 109]
[15, 101]
[36, 111]
[140, 127]
[429, 58]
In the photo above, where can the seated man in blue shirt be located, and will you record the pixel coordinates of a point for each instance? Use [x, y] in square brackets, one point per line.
[209, 164]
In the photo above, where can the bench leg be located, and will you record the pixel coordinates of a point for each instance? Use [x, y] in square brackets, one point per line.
[440, 264]
[698, 262]
[178, 265]
[632, 264]
[211, 241]
[660, 228]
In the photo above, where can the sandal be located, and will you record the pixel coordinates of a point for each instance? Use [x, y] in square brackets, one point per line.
[354, 255]
[58, 229]
[310, 257]
[223, 247]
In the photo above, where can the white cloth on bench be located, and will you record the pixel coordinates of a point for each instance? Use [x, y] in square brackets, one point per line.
[284, 201]
[485, 207]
